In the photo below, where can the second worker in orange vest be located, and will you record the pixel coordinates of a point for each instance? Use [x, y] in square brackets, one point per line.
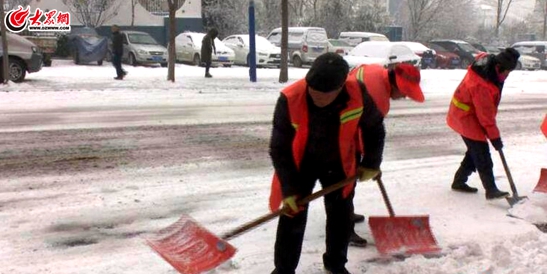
[383, 85]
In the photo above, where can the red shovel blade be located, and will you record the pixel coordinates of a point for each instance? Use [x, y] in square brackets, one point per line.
[403, 235]
[190, 248]
[542, 183]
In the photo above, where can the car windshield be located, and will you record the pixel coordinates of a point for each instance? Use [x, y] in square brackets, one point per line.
[437, 48]
[339, 43]
[139, 38]
[468, 48]
[371, 49]
[260, 41]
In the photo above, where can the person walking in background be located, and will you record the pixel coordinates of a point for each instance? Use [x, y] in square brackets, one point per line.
[316, 123]
[383, 84]
[207, 49]
[472, 114]
[117, 52]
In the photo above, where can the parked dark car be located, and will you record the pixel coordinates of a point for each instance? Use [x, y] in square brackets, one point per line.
[464, 50]
[87, 46]
[445, 59]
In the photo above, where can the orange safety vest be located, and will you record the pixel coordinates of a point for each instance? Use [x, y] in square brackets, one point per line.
[349, 125]
[473, 108]
[376, 80]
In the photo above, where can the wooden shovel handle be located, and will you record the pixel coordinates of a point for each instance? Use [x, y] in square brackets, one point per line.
[508, 172]
[386, 198]
[252, 224]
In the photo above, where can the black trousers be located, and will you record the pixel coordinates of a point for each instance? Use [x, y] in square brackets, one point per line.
[290, 230]
[207, 67]
[117, 63]
[477, 158]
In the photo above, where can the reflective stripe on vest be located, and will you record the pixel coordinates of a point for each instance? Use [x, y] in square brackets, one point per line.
[460, 105]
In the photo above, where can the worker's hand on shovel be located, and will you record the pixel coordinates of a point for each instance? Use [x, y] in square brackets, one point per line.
[366, 174]
[291, 206]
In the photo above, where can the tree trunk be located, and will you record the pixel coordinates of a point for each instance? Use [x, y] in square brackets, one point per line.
[173, 4]
[133, 4]
[5, 67]
[284, 72]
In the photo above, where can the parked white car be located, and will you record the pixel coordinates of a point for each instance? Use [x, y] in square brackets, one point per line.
[339, 46]
[267, 54]
[141, 48]
[188, 49]
[527, 62]
[381, 52]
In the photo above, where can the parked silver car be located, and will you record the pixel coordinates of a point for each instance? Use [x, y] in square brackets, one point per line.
[267, 54]
[24, 56]
[305, 43]
[188, 49]
[141, 48]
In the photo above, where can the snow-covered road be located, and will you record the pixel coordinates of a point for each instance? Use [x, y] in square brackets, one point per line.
[89, 165]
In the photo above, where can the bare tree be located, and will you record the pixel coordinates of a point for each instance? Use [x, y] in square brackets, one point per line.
[173, 7]
[502, 8]
[93, 13]
[133, 4]
[334, 17]
[421, 14]
[284, 71]
[227, 16]
[371, 16]
[13, 4]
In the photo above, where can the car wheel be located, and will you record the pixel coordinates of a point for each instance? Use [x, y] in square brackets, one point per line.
[297, 62]
[132, 60]
[163, 65]
[465, 63]
[100, 62]
[197, 60]
[17, 71]
[519, 66]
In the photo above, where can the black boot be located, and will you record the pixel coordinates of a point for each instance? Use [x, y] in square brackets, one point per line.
[357, 218]
[496, 194]
[460, 179]
[356, 240]
[489, 183]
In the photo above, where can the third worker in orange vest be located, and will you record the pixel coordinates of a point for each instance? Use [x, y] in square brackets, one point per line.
[472, 114]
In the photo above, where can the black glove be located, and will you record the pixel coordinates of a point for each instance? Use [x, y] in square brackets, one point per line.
[498, 145]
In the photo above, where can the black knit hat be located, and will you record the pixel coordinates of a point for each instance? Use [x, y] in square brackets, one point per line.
[328, 72]
[508, 59]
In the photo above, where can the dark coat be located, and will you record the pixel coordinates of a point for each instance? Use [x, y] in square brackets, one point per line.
[117, 43]
[208, 46]
[322, 147]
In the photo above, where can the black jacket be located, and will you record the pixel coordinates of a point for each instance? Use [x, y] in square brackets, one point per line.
[117, 43]
[322, 145]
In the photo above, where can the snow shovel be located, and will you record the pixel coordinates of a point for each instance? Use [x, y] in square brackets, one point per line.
[397, 235]
[542, 183]
[515, 198]
[192, 249]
